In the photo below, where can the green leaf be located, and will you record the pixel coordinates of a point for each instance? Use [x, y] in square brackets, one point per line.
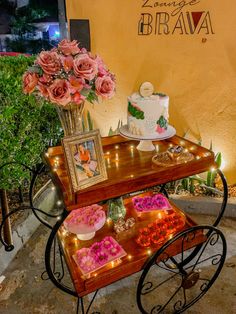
[218, 159]
[210, 146]
[90, 122]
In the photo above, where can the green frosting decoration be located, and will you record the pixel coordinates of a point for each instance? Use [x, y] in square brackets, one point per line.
[160, 94]
[135, 112]
[162, 122]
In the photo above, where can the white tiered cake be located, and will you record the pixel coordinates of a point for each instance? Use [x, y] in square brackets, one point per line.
[148, 116]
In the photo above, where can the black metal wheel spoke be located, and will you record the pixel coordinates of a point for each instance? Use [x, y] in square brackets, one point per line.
[178, 265]
[148, 286]
[167, 268]
[212, 243]
[191, 279]
[216, 257]
[165, 305]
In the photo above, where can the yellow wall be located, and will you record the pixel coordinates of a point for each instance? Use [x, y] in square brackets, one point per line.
[197, 71]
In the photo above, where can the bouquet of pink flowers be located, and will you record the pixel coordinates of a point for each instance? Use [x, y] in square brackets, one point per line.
[69, 74]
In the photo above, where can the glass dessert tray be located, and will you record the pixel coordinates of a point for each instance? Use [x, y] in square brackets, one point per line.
[146, 141]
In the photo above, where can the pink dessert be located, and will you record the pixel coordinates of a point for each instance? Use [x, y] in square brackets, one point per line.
[98, 255]
[85, 219]
[149, 203]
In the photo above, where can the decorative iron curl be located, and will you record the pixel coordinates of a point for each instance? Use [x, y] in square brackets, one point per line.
[204, 286]
[211, 240]
[147, 287]
[214, 239]
[49, 270]
[156, 309]
[11, 247]
[181, 304]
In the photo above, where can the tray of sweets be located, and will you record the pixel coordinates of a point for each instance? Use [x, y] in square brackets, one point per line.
[148, 203]
[98, 255]
[161, 229]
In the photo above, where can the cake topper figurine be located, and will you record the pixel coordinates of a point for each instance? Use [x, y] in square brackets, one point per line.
[146, 89]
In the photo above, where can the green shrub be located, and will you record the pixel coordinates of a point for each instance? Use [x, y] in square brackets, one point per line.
[27, 126]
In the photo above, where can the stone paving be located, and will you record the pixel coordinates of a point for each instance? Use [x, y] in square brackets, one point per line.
[23, 291]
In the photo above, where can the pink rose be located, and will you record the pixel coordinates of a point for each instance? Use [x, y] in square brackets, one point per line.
[45, 79]
[68, 47]
[78, 98]
[43, 89]
[76, 84]
[59, 92]
[49, 62]
[85, 67]
[67, 63]
[102, 71]
[105, 86]
[30, 80]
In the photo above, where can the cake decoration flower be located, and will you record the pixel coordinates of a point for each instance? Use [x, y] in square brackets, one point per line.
[107, 242]
[115, 250]
[82, 253]
[96, 247]
[152, 227]
[101, 257]
[143, 240]
[144, 232]
[155, 237]
[87, 263]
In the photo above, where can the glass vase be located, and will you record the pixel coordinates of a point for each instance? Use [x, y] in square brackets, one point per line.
[116, 208]
[71, 118]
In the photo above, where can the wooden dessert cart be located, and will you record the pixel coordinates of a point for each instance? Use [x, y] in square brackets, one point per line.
[182, 257]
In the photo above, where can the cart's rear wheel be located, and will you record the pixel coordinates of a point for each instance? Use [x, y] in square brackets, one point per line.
[171, 282]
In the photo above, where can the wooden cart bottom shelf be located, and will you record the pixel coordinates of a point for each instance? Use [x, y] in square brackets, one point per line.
[136, 256]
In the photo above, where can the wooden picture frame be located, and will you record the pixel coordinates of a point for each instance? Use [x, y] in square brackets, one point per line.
[85, 160]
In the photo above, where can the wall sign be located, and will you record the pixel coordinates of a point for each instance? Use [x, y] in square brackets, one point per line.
[173, 17]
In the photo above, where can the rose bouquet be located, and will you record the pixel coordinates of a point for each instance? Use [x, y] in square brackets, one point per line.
[69, 75]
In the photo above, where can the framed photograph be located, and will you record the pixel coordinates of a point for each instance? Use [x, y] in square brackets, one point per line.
[85, 161]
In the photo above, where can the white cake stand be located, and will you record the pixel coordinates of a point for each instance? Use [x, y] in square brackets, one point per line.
[145, 143]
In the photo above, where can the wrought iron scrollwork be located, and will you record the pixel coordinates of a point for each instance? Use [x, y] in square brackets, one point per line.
[35, 172]
[54, 274]
[183, 283]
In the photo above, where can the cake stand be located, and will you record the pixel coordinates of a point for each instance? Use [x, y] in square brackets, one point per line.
[145, 143]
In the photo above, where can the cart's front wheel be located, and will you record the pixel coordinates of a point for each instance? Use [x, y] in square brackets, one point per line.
[171, 282]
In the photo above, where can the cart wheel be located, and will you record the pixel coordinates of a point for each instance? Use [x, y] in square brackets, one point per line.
[181, 271]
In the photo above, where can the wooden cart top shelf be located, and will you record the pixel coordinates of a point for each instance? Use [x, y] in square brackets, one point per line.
[128, 169]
